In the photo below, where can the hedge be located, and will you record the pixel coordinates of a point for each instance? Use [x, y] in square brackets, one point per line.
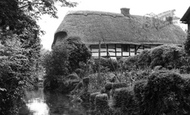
[163, 93]
[166, 56]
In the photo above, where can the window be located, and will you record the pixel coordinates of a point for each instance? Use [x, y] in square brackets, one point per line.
[125, 48]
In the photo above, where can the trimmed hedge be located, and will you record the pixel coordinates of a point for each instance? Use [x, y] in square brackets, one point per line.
[124, 99]
[101, 102]
[167, 56]
[163, 93]
[92, 100]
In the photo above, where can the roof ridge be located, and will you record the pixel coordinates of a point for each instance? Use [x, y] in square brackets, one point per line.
[100, 13]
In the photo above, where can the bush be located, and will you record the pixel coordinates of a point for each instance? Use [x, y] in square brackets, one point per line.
[187, 44]
[94, 84]
[129, 63]
[167, 56]
[106, 64]
[15, 75]
[101, 102]
[92, 100]
[156, 93]
[185, 61]
[164, 94]
[144, 59]
[56, 63]
[139, 90]
[63, 60]
[124, 99]
[78, 53]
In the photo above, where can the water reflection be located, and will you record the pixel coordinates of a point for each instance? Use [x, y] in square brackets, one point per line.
[38, 107]
[36, 102]
[52, 104]
[63, 105]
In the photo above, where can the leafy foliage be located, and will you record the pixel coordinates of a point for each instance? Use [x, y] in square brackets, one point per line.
[78, 53]
[164, 94]
[106, 64]
[20, 47]
[55, 64]
[63, 60]
[129, 63]
[187, 44]
[167, 56]
[123, 98]
[15, 75]
[21, 15]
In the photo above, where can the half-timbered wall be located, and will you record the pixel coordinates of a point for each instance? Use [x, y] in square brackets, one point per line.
[118, 50]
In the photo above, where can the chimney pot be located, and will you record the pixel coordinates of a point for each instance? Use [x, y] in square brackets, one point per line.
[125, 11]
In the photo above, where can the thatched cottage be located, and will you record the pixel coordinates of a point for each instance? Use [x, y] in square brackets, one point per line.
[186, 18]
[120, 35]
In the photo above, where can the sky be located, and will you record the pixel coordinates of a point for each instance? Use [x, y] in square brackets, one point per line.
[137, 7]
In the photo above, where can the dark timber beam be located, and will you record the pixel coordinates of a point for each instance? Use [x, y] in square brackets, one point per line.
[136, 48]
[115, 51]
[129, 50]
[121, 50]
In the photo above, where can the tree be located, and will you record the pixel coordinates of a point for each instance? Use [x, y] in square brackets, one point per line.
[21, 15]
[187, 44]
[15, 75]
[78, 53]
[62, 60]
[20, 47]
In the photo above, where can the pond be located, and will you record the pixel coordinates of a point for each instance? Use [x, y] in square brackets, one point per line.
[40, 103]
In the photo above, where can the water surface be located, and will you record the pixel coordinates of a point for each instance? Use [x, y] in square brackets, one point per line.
[52, 104]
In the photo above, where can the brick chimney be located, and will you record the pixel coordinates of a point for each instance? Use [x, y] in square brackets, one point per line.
[125, 11]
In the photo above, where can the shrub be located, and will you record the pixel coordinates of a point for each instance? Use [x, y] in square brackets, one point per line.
[56, 63]
[144, 59]
[106, 64]
[187, 44]
[101, 102]
[124, 99]
[129, 63]
[78, 53]
[185, 62]
[15, 76]
[167, 56]
[139, 90]
[92, 100]
[64, 59]
[94, 85]
[164, 94]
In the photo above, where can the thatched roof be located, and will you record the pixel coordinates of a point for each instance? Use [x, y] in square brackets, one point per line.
[113, 28]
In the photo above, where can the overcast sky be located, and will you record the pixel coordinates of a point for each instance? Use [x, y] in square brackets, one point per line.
[137, 7]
